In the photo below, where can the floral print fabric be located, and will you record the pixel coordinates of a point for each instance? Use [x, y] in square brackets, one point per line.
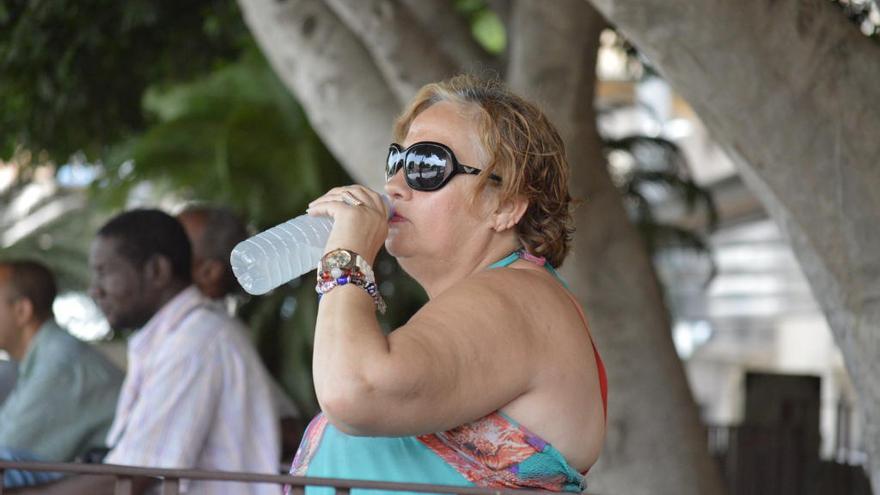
[492, 452]
[308, 446]
[496, 452]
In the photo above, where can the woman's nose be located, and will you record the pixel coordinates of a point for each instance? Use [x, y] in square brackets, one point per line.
[396, 186]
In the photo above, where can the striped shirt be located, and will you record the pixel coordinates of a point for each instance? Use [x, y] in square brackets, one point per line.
[196, 397]
[283, 404]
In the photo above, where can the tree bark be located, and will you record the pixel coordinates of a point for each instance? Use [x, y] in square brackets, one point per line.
[789, 88]
[452, 33]
[347, 100]
[553, 60]
[406, 56]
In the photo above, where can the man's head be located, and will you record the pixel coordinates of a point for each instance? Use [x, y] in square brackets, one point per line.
[213, 232]
[27, 290]
[139, 260]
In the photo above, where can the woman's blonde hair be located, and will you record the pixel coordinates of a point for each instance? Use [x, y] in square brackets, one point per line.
[524, 149]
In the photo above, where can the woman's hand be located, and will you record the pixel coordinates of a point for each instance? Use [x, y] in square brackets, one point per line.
[360, 219]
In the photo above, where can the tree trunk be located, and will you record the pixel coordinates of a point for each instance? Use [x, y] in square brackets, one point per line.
[347, 100]
[388, 31]
[452, 33]
[657, 449]
[790, 89]
[553, 60]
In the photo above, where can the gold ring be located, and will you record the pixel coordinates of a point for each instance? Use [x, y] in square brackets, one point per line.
[350, 200]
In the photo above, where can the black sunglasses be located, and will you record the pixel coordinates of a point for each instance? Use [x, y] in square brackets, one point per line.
[427, 165]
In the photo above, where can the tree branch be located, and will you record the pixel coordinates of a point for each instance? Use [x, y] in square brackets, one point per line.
[400, 47]
[334, 78]
[503, 9]
[452, 33]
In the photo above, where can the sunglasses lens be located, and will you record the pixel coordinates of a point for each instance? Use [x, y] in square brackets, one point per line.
[427, 166]
[393, 162]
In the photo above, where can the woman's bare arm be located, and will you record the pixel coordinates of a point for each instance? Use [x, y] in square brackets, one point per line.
[467, 353]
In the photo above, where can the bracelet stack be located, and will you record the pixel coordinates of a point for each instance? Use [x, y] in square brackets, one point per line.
[341, 267]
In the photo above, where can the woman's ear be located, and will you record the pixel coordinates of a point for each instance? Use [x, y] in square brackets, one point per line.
[508, 213]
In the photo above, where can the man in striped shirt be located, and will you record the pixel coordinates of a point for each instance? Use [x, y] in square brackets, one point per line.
[195, 396]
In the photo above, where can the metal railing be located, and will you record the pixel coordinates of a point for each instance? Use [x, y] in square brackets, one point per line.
[170, 479]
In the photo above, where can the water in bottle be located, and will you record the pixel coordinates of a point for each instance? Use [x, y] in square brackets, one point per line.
[282, 253]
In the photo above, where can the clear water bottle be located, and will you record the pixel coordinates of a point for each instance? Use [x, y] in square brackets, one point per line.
[282, 253]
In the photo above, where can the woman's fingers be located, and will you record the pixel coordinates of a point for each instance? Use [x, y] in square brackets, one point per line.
[335, 200]
[367, 196]
[354, 196]
[360, 221]
[350, 200]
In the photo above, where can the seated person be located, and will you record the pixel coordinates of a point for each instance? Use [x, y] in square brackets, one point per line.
[213, 232]
[196, 395]
[65, 396]
[8, 375]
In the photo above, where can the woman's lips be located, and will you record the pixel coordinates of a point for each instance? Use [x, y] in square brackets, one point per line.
[396, 218]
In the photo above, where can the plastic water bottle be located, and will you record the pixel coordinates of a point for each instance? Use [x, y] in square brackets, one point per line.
[282, 253]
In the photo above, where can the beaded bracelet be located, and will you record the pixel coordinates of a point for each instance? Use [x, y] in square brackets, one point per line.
[328, 281]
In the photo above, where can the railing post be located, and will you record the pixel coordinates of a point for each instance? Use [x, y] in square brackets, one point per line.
[2, 475]
[342, 491]
[170, 486]
[123, 485]
[294, 490]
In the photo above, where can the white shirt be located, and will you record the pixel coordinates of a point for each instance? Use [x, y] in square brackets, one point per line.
[283, 404]
[196, 396]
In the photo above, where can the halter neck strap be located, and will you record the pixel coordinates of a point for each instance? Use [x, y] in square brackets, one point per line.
[506, 261]
[523, 254]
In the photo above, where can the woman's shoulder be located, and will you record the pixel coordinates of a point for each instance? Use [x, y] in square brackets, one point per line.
[521, 295]
[522, 281]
